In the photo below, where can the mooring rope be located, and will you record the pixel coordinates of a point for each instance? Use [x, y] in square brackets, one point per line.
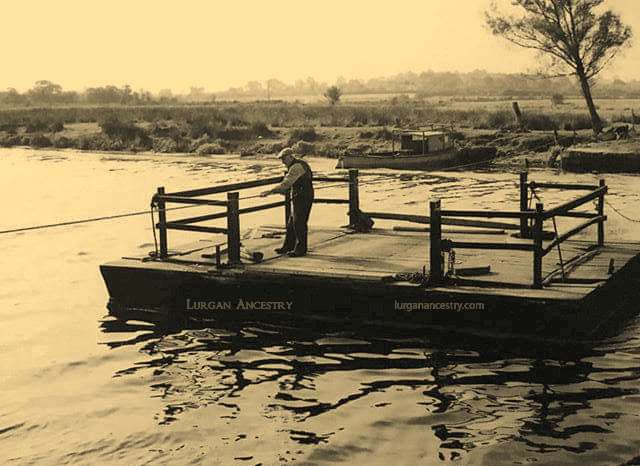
[634, 220]
[88, 220]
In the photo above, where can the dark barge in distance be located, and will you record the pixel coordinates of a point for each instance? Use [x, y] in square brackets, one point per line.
[460, 269]
[422, 150]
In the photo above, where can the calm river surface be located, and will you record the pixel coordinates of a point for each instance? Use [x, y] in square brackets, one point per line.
[77, 390]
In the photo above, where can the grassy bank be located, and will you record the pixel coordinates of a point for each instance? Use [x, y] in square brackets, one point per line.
[263, 127]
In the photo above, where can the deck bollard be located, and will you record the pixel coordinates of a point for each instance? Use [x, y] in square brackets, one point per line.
[233, 228]
[537, 246]
[354, 197]
[436, 275]
[602, 183]
[162, 223]
[524, 200]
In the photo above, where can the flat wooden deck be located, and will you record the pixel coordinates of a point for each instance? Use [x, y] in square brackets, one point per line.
[379, 256]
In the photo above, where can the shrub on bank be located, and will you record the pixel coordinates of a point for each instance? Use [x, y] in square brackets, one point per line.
[307, 134]
[210, 148]
[39, 140]
[303, 148]
[62, 142]
[124, 130]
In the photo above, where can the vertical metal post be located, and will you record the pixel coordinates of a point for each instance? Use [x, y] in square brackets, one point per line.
[436, 275]
[218, 262]
[524, 199]
[354, 198]
[287, 207]
[233, 228]
[537, 246]
[601, 213]
[162, 224]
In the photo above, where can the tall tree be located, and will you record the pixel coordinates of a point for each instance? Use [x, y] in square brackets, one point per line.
[573, 33]
[333, 94]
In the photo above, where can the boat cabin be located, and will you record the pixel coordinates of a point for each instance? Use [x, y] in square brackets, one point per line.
[424, 142]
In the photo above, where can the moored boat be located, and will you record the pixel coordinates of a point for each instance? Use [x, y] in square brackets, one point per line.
[422, 150]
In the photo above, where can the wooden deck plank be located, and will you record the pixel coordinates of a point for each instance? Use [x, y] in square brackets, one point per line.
[381, 253]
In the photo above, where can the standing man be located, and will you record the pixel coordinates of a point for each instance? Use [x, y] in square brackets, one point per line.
[299, 181]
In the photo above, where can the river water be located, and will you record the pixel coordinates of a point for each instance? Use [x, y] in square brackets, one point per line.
[77, 388]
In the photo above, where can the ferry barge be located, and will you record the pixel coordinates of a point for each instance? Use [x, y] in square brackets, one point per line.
[456, 269]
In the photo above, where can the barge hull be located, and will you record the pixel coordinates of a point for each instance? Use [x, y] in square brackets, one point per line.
[338, 281]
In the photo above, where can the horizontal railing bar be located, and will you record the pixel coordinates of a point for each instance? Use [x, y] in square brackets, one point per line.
[191, 200]
[331, 201]
[572, 232]
[330, 179]
[181, 226]
[505, 246]
[567, 206]
[256, 208]
[201, 218]
[578, 215]
[228, 187]
[488, 213]
[567, 186]
[391, 216]
[423, 219]
[246, 210]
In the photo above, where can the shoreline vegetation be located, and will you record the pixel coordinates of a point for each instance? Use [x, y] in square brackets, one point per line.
[265, 127]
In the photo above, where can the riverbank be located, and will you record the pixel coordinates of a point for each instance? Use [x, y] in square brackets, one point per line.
[260, 129]
[515, 150]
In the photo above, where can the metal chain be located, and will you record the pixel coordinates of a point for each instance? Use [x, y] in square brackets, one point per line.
[451, 266]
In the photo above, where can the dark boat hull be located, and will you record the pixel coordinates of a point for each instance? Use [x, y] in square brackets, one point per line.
[430, 161]
[197, 299]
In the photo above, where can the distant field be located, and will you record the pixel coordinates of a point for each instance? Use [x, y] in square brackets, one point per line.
[608, 108]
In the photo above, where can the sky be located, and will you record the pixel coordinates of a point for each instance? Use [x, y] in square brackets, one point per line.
[217, 44]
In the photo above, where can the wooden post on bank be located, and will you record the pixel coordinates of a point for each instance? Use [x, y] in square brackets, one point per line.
[518, 115]
[162, 223]
[436, 274]
[233, 228]
[354, 198]
[537, 246]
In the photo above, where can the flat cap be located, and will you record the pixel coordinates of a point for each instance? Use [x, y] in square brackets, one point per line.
[285, 151]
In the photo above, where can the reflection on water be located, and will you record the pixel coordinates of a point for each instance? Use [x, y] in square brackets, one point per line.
[328, 388]
[77, 388]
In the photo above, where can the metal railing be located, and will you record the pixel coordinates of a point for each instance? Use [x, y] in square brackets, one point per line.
[529, 226]
[232, 210]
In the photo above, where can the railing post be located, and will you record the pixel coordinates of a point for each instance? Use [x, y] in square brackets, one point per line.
[524, 200]
[287, 207]
[233, 228]
[162, 224]
[354, 197]
[436, 275]
[602, 183]
[537, 246]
